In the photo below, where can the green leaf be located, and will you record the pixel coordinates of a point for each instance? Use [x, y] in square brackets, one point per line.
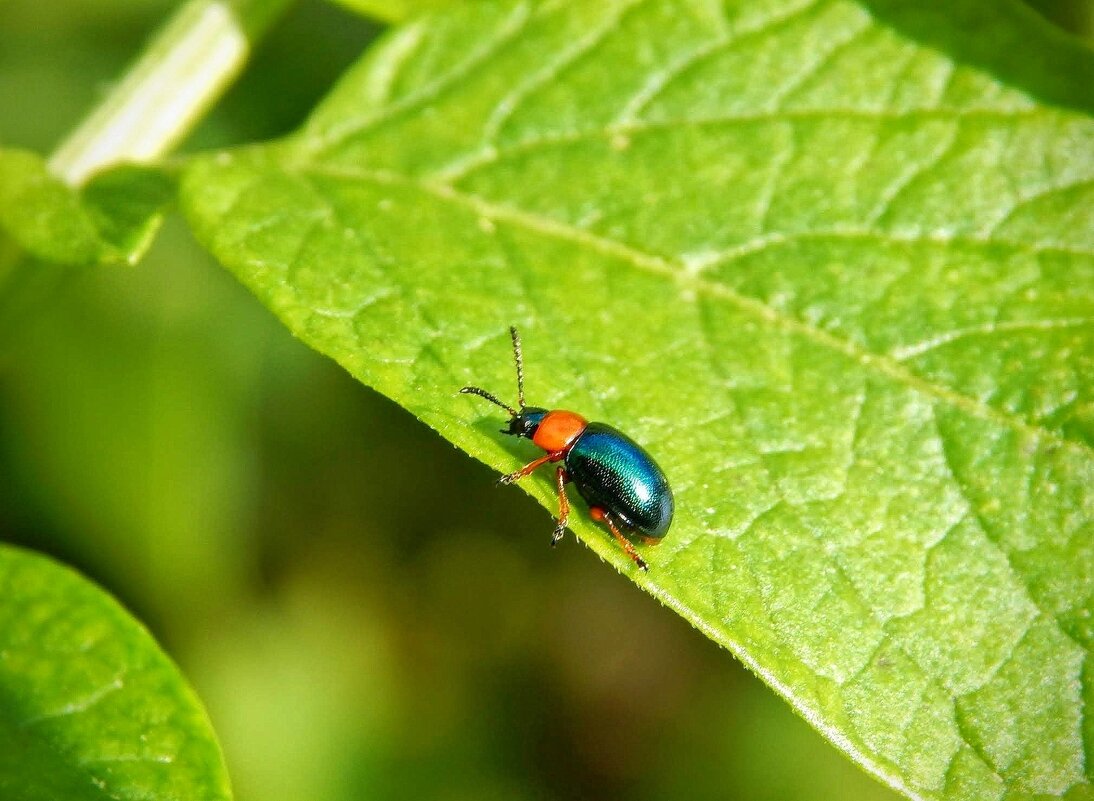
[90, 707]
[833, 264]
[111, 220]
[398, 10]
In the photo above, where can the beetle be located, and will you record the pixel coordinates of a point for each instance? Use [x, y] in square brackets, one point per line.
[622, 484]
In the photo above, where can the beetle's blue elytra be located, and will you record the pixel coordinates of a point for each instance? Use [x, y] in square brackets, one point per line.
[617, 478]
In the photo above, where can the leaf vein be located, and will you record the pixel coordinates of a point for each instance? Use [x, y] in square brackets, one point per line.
[905, 352]
[508, 31]
[662, 266]
[80, 705]
[463, 166]
[823, 59]
[506, 108]
[982, 523]
[645, 97]
[1024, 202]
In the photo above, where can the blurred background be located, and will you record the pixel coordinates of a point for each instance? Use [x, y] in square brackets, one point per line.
[364, 614]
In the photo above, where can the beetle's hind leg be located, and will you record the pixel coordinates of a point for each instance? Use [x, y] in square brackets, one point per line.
[602, 516]
[563, 506]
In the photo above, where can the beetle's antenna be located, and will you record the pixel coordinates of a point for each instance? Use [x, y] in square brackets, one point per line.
[520, 364]
[482, 393]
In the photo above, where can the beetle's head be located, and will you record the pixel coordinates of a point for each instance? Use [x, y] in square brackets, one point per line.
[525, 422]
[522, 423]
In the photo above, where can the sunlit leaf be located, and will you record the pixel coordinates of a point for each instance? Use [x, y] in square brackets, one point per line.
[90, 707]
[832, 263]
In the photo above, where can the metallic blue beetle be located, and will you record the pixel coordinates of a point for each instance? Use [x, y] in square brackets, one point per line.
[620, 481]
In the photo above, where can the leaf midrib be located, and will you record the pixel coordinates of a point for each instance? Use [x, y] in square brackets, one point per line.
[679, 274]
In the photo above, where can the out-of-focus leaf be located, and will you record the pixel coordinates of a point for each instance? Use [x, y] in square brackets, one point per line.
[90, 707]
[111, 220]
[398, 10]
[837, 277]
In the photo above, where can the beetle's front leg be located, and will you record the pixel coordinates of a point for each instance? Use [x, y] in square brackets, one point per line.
[563, 506]
[528, 468]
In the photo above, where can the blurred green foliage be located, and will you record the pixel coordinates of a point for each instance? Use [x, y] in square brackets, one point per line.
[90, 701]
[1074, 16]
[363, 614]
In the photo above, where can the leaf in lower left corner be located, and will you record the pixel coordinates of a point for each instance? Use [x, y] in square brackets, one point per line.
[90, 707]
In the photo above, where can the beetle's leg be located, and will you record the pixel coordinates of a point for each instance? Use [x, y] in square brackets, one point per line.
[563, 506]
[528, 468]
[601, 516]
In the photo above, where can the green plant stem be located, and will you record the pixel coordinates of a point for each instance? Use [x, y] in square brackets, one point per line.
[180, 74]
